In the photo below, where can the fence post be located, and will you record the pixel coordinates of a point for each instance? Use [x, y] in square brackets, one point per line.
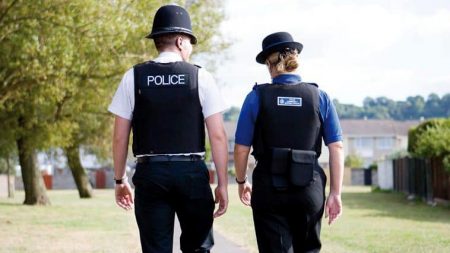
[429, 183]
[395, 172]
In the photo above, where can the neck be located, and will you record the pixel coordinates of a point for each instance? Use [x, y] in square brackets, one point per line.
[170, 50]
[274, 74]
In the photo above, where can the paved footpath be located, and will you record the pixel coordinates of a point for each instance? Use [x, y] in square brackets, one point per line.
[221, 244]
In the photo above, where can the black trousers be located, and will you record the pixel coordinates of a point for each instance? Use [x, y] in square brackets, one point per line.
[288, 220]
[165, 188]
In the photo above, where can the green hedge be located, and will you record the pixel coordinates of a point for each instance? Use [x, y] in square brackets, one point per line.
[431, 139]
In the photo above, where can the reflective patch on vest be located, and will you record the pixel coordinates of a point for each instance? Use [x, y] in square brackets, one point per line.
[166, 80]
[289, 101]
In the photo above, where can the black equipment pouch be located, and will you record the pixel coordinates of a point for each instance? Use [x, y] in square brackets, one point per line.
[301, 171]
[279, 167]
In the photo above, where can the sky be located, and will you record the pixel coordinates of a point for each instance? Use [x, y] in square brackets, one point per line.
[351, 49]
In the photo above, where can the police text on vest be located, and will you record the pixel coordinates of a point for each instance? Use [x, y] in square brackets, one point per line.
[179, 79]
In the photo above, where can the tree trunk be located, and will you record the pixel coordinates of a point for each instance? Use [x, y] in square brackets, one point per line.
[10, 190]
[33, 182]
[78, 172]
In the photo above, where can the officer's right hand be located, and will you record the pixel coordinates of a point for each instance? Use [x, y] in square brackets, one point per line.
[221, 197]
[124, 196]
[245, 193]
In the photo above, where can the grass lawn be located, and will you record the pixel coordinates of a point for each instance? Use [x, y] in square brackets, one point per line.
[70, 224]
[372, 222]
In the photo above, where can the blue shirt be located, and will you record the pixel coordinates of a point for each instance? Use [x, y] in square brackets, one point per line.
[249, 112]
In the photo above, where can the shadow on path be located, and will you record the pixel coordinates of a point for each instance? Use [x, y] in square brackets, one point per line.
[221, 244]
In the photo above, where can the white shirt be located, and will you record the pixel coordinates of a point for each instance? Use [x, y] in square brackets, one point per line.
[211, 100]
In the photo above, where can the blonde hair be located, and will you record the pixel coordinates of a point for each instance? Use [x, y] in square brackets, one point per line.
[285, 61]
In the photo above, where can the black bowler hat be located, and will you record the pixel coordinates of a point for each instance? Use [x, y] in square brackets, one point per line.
[172, 19]
[277, 42]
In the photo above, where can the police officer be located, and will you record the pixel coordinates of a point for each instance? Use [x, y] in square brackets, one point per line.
[285, 122]
[166, 103]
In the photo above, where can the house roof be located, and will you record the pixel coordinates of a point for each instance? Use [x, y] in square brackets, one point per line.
[377, 127]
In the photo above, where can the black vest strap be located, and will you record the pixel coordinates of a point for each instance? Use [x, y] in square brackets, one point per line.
[288, 117]
[167, 116]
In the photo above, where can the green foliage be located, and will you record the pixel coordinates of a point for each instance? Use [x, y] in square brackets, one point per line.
[385, 108]
[61, 62]
[353, 161]
[431, 139]
[373, 166]
[4, 166]
[398, 154]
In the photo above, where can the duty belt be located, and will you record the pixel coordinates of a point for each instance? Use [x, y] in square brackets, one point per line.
[170, 158]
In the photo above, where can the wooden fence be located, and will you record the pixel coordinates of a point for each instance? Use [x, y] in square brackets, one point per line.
[425, 178]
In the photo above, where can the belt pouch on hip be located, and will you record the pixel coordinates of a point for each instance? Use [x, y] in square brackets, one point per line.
[302, 167]
[279, 167]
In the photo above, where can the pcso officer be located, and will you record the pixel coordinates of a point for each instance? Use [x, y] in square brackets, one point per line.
[166, 102]
[284, 122]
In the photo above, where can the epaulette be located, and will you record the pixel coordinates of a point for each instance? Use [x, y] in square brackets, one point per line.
[198, 66]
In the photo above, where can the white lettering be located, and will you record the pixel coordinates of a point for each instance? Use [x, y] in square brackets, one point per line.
[181, 79]
[150, 79]
[172, 81]
[160, 80]
[166, 80]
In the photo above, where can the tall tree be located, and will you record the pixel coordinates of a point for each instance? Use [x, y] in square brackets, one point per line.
[445, 104]
[414, 107]
[432, 106]
[32, 42]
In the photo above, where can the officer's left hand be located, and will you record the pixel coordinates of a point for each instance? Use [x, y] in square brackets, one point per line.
[221, 197]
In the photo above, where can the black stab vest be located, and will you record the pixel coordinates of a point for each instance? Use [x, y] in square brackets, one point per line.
[288, 117]
[167, 116]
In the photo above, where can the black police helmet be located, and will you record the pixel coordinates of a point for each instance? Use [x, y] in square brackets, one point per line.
[277, 42]
[172, 19]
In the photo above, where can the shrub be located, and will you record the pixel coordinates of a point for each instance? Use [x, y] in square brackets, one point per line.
[431, 139]
[354, 161]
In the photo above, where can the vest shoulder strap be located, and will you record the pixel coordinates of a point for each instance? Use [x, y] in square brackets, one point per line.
[259, 86]
[313, 84]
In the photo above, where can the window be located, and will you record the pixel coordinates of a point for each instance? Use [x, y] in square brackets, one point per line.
[385, 143]
[363, 143]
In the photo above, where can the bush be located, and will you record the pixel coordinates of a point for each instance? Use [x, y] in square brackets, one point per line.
[431, 139]
[373, 166]
[354, 161]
